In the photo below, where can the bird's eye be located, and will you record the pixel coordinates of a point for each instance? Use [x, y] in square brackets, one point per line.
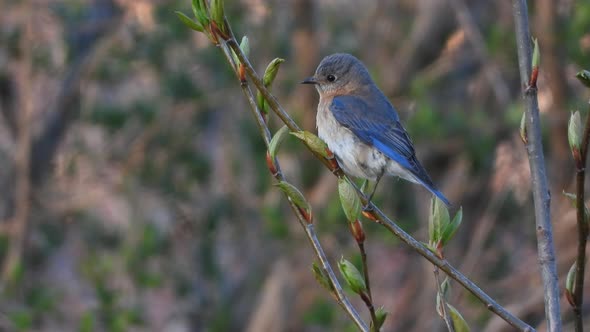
[331, 78]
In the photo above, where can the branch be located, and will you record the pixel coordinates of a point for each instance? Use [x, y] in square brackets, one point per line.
[342, 300]
[578, 295]
[534, 147]
[369, 300]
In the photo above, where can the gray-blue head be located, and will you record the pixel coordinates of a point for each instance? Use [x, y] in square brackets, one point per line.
[340, 73]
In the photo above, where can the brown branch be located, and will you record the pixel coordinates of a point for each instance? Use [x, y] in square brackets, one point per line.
[369, 300]
[582, 229]
[534, 147]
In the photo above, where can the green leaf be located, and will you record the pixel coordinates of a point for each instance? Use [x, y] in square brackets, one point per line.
[536, 54]
[314, 142]
[200, 11]
[575, 131]
[277, 140]
[353, 277]
[437, 221]
[351, 204]
[271, 71]
[451, 228]
[570, 281]
[295, 195]
[198, 7]
[188, 22]
[217, 12]
[321, 276]
[584, 77]
[459, 322]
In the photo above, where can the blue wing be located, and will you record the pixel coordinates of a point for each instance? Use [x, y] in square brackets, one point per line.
[375, 122]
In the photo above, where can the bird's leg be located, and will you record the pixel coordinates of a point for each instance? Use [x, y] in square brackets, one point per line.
[367, 207]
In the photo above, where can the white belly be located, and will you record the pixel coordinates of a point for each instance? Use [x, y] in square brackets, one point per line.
[355, 157]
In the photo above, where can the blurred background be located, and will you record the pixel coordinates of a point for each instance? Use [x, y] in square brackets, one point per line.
[134, 195]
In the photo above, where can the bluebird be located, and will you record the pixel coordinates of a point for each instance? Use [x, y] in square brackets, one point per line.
[360, 125]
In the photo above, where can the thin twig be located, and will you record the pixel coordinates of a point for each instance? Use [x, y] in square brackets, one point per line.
[534, 147]
[582, 230]
[369, 303]
[342, 300]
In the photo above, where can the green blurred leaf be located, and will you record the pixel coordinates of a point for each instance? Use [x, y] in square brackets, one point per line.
[314, 142]
[351, 204]
[295, 195]
[188, 22]
[352, 276]
[459, 322]
[277, 140]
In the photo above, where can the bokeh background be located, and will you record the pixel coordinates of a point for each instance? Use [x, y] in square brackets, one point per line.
[134, 194]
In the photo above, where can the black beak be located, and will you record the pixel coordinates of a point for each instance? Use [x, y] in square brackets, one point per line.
[309, 80]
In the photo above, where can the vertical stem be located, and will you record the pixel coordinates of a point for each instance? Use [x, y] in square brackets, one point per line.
[541, 194]
[370, 304]
[582, 229]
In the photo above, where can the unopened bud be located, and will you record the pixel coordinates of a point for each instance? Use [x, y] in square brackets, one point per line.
[271, 71]
[356, 228]
[352, 276]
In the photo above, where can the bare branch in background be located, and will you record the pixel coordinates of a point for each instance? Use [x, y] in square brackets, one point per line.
[534, 148]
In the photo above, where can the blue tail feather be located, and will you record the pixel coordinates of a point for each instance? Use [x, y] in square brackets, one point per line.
[437, 194]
